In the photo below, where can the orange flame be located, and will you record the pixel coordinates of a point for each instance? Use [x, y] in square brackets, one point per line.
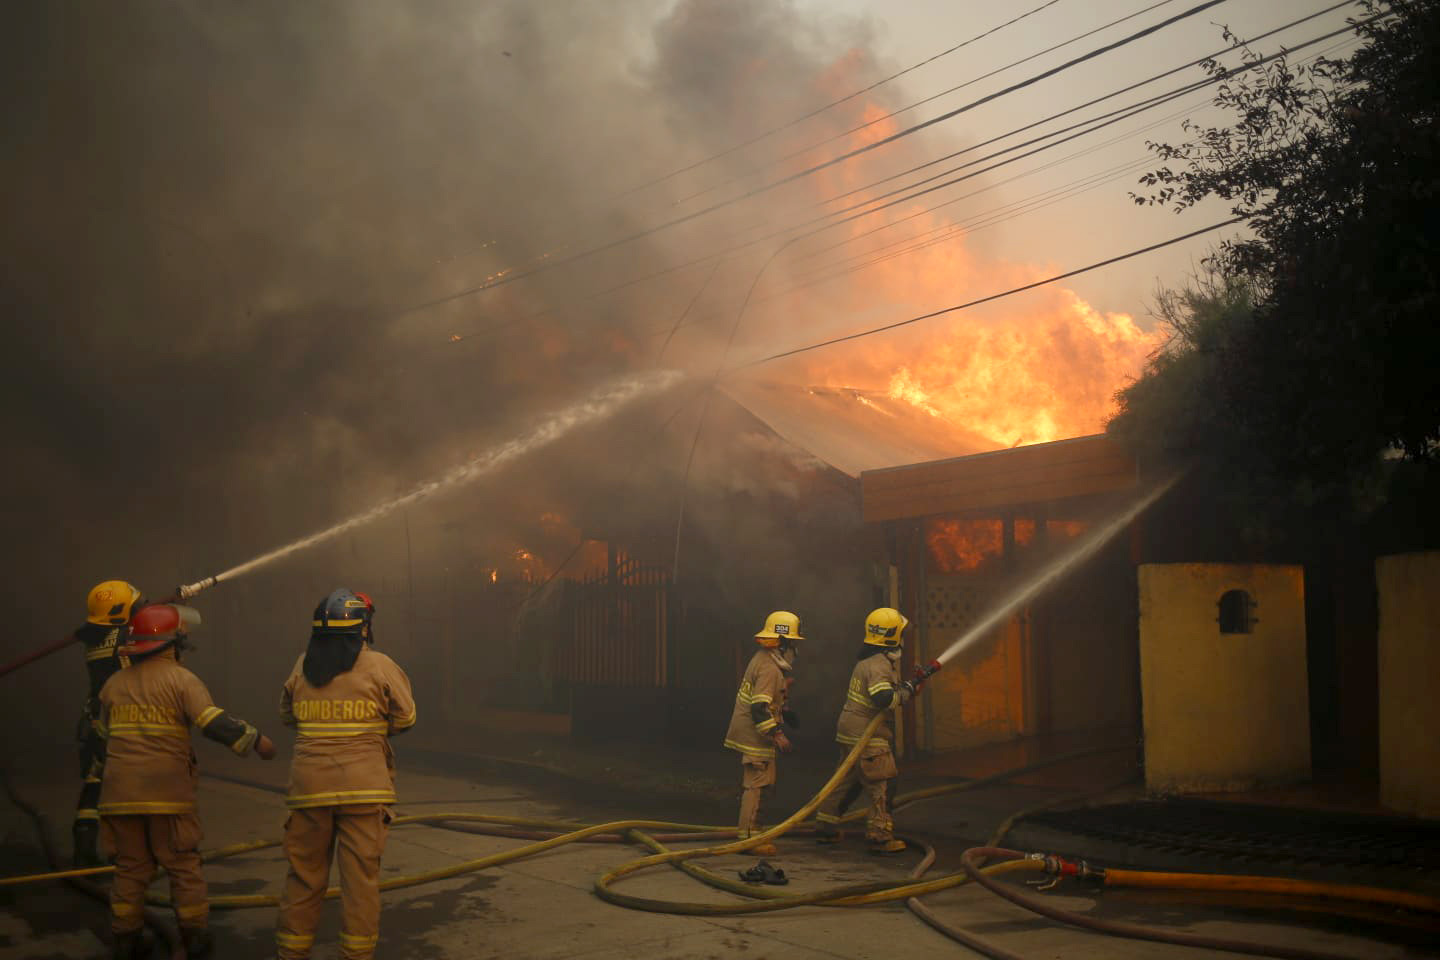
[1040, 366]
[962, 544]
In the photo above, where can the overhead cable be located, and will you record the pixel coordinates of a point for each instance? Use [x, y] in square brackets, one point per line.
[991, 298]
[812, 170]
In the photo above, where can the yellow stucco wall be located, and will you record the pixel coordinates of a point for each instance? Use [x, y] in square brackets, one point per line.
[1222, 711]
[1409, 587]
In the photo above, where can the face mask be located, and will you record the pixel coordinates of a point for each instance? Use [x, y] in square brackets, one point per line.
[894, 654]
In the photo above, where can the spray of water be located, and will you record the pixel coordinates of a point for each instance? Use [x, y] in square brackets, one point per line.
[603, 403]
[1063, 564]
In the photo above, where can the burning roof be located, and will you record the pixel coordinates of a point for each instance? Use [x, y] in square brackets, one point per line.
[854, 430]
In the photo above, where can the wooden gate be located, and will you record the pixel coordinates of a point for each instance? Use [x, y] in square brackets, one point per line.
[620, 635]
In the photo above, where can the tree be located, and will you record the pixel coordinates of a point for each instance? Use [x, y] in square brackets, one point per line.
[1328, 362]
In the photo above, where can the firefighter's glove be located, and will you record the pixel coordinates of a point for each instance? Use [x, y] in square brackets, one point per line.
[792, 720]
[782, 742]
[264, 747]
[908, 689]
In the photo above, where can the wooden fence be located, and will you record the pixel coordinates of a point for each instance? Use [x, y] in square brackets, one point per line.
[621, 627]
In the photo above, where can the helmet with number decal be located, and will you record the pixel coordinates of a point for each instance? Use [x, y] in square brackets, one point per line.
[110, 603]
[781, 627]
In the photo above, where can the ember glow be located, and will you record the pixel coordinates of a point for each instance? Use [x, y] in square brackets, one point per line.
[961, 545]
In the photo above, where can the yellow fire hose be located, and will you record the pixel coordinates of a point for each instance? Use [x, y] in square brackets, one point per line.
[761, 900]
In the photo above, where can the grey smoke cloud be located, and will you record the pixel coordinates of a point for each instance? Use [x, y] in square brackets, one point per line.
[218, 213]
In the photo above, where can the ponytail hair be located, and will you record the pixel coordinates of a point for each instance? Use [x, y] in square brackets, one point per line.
[329, 655]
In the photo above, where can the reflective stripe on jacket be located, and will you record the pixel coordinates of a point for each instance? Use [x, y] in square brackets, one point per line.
[874, 674]
[763, 683]
[146, 715]
[342, 747]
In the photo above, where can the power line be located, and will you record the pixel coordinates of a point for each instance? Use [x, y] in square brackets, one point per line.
[1006, 212]
[835, 103]
[919, 103]
[1138, 108]
[1109, 96]
[819, 222]
[993, 297]
[994, 216]
[810, 171]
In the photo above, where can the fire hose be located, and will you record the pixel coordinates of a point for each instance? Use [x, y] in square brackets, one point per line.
[182, 592]
[549, 834]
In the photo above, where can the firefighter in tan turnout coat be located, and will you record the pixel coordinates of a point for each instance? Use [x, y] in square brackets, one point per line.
[875, 688]
[755, 724]
[345, 701]
[147, 801]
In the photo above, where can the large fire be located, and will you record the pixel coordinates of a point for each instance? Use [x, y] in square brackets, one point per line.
[960, 545]
[1041, 366]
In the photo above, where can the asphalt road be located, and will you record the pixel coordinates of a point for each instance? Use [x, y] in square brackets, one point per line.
[544, 907]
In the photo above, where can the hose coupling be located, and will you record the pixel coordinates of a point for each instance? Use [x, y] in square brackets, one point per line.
[1061, 868]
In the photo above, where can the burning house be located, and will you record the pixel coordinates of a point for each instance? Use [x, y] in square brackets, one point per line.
[957, 535]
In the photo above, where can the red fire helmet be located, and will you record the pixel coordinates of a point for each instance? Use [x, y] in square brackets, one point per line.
[156, 626]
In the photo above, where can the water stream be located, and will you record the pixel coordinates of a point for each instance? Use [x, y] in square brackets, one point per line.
[1078, 553]
[603, 403]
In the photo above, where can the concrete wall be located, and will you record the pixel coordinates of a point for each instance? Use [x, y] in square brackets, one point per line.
[1409, 586]
[1222, 712]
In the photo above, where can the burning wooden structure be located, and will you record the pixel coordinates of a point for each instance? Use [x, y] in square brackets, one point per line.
[956, 535]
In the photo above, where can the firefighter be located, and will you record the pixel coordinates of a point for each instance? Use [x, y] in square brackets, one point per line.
[147, 802]
[345, 700]
[875, 687]
[755, 729]
[107, 617]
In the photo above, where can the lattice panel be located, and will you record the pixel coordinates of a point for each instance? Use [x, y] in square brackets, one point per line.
[972, 700]
[952, 605]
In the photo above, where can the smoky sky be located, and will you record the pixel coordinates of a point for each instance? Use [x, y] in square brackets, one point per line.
[218, 217]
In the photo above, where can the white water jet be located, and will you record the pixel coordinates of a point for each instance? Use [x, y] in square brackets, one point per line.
[1081, 551]
[603, 403]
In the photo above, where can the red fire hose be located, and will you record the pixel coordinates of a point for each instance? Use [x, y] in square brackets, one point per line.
[34, 655]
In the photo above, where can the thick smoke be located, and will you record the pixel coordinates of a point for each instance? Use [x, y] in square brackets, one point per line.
[219, 217]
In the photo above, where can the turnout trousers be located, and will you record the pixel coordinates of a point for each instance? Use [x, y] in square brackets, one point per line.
[353, 835]
[758, 773]
[140, 843]
[873, 773]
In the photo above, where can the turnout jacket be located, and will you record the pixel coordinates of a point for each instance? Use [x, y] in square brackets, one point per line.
[101, 660]
[146, 713]
[342, 750]
[872, 689]
[758, 705]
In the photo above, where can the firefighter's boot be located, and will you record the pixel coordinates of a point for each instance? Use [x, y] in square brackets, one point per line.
[86, 833]
[133, 945]
[198, 942]
[766, 849]
[826, 833]
[893, 845]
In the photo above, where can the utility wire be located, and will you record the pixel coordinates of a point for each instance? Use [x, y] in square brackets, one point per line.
[1109, 96]
[994, 216]
[756, 171]
[997, 215]
[1146, 104]
[993, 297]
[835, 103]
[812, 170]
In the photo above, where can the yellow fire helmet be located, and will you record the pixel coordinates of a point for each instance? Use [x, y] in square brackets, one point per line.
[780, 626]
[110, 603]
[884, 626]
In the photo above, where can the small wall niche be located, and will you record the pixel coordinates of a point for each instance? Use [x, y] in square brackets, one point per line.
[1237, 612]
